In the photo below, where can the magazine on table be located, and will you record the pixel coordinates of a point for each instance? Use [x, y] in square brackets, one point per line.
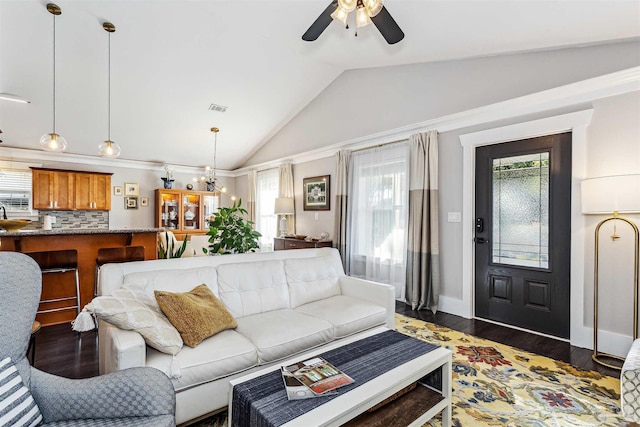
[313, 377]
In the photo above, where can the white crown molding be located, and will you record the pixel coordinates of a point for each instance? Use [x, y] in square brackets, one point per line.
[584, 91]
[23, 155]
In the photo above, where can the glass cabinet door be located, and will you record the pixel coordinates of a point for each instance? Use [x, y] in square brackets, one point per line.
[210, 203]
[191, 213]
[170, 211]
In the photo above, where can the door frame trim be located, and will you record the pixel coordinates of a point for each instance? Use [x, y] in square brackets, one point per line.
[576, 123]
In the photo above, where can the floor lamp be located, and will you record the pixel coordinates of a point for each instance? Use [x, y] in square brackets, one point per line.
[607, 195]
[283, 206]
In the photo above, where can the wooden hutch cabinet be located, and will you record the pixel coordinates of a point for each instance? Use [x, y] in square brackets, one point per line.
[184, 211]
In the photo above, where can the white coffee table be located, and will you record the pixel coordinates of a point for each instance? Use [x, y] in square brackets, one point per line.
[350, 404]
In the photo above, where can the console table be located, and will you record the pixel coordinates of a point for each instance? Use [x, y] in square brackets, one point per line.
[284, 243]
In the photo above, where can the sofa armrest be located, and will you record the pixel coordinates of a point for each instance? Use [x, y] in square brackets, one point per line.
[374, 292]
[630, 384]
[119, 349]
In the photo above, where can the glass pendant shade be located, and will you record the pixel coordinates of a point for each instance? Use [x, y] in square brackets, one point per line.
[347, 5]
[362, 18]
[340, 15]
[373, 7]
[53, 142]
[108, 149]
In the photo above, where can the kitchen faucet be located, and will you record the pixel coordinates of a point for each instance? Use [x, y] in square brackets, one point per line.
[4, 212]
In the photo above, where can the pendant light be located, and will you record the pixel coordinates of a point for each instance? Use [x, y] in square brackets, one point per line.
[52, 141]
[109, 148]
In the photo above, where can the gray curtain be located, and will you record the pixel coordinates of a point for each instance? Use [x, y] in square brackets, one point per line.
[340, 232]
[285, 189]
[423, 258]
[251, 199]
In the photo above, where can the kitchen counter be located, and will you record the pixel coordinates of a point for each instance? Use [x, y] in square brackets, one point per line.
[86, 242]
[74, 231]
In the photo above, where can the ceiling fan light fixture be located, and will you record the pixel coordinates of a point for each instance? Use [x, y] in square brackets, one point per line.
[53, 142]
[347, 5]
[362, 18]
[373, 7]
[340, 15]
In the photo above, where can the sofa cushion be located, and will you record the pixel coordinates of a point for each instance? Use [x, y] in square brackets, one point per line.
[131, 308]
[219, 356]
[196, 314]
[251, 288]
[280, 333]
[347, 314]
[178, 280]
[313, 279]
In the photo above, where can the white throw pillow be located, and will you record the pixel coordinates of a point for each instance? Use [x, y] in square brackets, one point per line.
[17, 407]
[131, 308]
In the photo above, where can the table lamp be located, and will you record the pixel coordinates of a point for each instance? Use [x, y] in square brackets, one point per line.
[283, 206]
[612, 195]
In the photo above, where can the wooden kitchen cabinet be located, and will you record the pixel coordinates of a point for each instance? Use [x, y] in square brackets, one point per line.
[53, 189]
[92, 191]
[68, 190]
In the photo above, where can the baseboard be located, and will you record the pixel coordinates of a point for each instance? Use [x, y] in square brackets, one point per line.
[454, 306]
[613, 343]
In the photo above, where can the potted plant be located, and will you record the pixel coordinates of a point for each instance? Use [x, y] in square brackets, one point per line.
[168, 178]
[230, 232]
[167, 250]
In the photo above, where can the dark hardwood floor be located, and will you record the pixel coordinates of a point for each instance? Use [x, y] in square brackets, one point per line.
[63, 352]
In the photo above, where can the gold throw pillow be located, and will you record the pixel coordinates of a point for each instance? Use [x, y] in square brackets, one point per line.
[196, 314]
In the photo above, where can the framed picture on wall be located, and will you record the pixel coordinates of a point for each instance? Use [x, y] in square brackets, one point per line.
[316, 193]
[130, 202]
[117, 191]
[131, 189]
[144, 201]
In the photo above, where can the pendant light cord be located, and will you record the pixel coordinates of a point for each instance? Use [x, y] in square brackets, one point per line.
[54, 73]
[109, 94]
[215, 151]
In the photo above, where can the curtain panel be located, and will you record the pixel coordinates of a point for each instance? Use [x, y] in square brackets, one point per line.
[286, 190]
[377, 216]
[251, 199]
[340, 234]
[423, 257]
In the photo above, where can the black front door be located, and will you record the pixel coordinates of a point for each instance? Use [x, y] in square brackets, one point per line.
[523, 233]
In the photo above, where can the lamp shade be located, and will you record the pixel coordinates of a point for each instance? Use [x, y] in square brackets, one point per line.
[283, 206]
[608, 194]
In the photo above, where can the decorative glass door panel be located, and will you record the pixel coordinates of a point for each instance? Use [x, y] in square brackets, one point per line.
[170, 216]
[191, 205]
[521, 210]
[210, 205]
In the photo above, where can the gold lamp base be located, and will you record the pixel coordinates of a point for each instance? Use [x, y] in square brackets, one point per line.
[600, 357]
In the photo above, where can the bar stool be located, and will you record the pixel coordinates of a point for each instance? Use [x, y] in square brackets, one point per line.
[117, 254]
[35, 328]
[61, 261]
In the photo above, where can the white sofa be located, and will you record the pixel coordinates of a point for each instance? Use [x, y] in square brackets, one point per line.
[285, 302]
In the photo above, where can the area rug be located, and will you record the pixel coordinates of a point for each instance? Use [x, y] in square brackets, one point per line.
[499, 385]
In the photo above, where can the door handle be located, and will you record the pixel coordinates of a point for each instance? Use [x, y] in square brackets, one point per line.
[480, 240]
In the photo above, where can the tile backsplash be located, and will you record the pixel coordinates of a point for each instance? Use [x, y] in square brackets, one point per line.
[75, 219]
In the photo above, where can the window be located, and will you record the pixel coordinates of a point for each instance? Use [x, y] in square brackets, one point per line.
[15, 191]
[266, 193]
[378, 214]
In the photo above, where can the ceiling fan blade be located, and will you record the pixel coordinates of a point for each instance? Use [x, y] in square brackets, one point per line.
[388, 26]
[321, 23]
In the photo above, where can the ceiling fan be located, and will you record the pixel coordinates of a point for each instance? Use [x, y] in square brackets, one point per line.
[367, 11]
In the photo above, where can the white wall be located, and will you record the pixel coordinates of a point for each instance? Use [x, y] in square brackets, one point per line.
[368, 101]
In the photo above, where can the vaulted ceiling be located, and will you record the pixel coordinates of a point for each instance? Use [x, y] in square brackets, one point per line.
[172, 59]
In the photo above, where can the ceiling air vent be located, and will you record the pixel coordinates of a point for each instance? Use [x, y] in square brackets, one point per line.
[218, 108]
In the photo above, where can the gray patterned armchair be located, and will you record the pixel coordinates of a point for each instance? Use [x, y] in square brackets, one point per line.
[630, 384]
[131, 397]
